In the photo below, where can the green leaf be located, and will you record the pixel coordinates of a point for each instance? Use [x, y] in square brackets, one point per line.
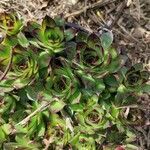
[31, 93]
[106, 40]
[131, 147]
[143, 88]
[44, 59]
[76, 107]
[114, 112]
[4, 54]
[138, 66]
[2, 135]
[11, 23]
[75, 139]
[59, 21]
[100, 86]
[70, 50]
[145, 75]
[93, 41]
[69, 34]
[56, 106]
[48, 22]
[75, 97]
[22, 40]
[82, 36]
[41, 129]
[111, 81]
[7, 128]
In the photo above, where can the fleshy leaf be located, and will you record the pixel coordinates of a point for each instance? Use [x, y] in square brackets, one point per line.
[93, 40]
[69, 34]
[48, 22]
[59, 21]
[106, 39]
[82, 36]
[22, 40]
[56, 106]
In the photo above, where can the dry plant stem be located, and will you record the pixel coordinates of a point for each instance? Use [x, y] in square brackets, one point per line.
[8, 66]
[117, 17]
[40, 109]
[94, 18]
[93, 6]
[129, 106]
[78, 27]
[86, 24]
[128, 34]
[49, 141]
[148, 138]
[85, 3]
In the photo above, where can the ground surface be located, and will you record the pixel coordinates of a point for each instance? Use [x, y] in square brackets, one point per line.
[128, 19]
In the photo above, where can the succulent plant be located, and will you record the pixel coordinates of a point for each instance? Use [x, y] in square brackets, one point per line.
[58, 132]
[83, 141]
[23, 69]
[88, 54]
[92, 115]
[11, 23]
[65, 88]
[49, 36]
[135, 76]
[61, 82]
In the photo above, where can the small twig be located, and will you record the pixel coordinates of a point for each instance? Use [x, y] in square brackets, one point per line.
[129, 106]
[8, 66]
[40, 109]
[127, 112]
[128, 34]
[85, 4]
[112, 9]
[86, 24]
[119, 13]
[76, 26]
[93, 6]
[48, 142]
[148, 138]
[94, 18]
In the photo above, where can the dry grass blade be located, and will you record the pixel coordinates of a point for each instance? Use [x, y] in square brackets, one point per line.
[93, 6]
[119, 13]
[40, 109]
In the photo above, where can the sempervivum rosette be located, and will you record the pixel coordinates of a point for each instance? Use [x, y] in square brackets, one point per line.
[82, 141]
[135, 76]
[92, 115]
[58, 132]
[61, 82]
[11, 23]
[132, 82]
[24, 68]
[48, 36]
[71, 88]
[89, 54]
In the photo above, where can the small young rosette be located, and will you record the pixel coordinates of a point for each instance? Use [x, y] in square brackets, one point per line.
[61, 82]
[136, 76]
[91, 116]
[83, 141]
[59, 133]
[11, 23]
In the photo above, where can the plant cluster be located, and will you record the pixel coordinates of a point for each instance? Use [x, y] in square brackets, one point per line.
[63, 88]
